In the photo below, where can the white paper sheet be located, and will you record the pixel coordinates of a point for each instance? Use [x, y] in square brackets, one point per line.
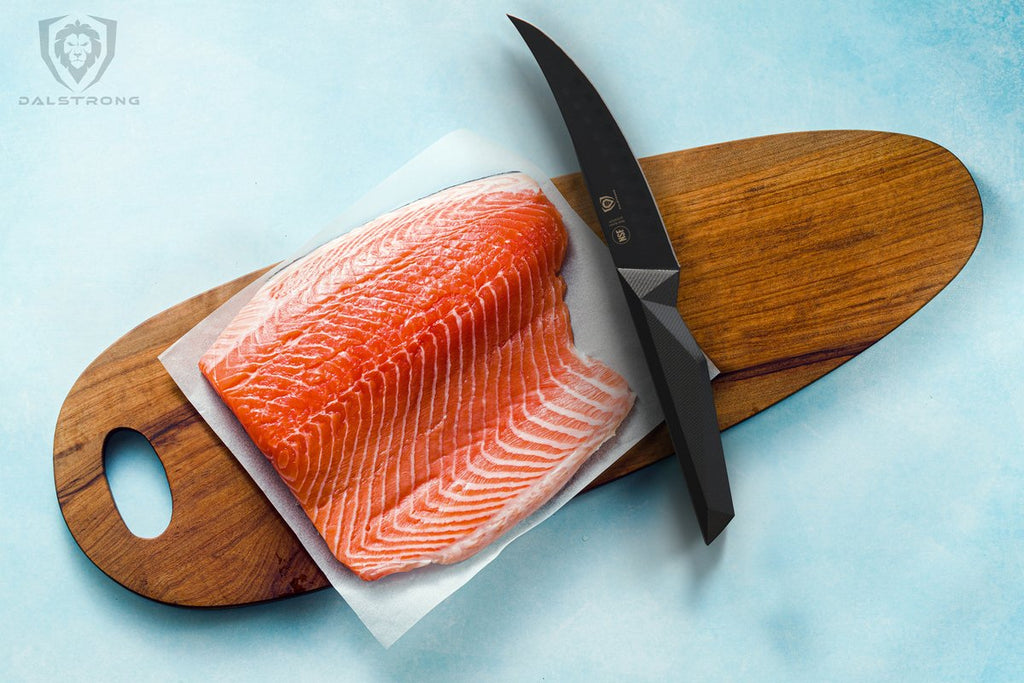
[601, 328]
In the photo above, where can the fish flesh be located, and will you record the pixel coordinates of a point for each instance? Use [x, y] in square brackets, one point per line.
[414, 382]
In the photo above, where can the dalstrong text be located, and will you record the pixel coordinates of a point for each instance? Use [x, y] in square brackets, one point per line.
[77, 49]
[78, 100]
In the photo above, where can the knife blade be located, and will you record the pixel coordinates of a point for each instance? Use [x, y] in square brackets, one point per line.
[649, 274]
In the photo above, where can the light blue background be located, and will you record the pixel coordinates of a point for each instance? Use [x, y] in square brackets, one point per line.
[880, 525]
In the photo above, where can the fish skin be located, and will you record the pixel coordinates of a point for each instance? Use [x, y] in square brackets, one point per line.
[414, 382]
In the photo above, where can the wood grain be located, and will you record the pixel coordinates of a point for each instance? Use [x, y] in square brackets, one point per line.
[798, 251]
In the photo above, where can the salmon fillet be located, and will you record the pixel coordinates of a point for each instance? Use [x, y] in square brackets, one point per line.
[415, 383]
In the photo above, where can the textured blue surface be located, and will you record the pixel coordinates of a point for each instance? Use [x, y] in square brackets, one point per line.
[880, 524]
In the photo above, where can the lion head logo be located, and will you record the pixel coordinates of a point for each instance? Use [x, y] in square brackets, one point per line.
[77, 50]
[76, 46]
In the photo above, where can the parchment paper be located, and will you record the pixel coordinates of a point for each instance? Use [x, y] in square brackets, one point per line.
[601, 328]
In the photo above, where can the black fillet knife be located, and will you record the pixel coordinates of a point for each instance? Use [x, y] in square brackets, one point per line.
[649, 274]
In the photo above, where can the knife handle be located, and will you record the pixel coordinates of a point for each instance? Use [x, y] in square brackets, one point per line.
[683, 384]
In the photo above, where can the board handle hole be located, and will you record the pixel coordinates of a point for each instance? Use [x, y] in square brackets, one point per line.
[138, 482]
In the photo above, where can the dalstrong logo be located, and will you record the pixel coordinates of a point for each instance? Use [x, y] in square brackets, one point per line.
[77, 49]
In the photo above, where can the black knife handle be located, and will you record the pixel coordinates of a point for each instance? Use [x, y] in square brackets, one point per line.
[682, 381]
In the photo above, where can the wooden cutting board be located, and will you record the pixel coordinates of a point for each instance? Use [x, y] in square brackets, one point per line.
[798, 251]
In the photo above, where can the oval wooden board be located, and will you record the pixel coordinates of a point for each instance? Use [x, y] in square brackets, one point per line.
[798, 251]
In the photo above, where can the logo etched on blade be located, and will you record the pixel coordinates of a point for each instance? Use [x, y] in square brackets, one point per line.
[618, 229]
[607, 202]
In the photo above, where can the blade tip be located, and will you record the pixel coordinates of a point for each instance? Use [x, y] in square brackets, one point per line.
[521, 26]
